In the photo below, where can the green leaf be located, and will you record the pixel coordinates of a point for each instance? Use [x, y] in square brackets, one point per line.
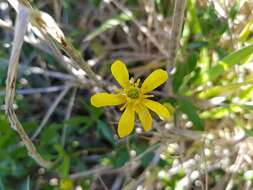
[215, 113]
[226, 63]
[79, 120]
[65, 166]
[1, 184]
[95, 113]
[140, 148]
[193, 18]
[50, 134]
[182, 70]
[178, 77]
[222, 90]
[145, 160]
[3, 73]
[221, 112]
[245, 33]
[4, 124]
[96, 2]
[234, 10]
[120, 158]
[8, 136]
[190, 110]
[108, 25]
[249, 133]
[59, 149]
[197, 44]
[105, 131]
[247, 106]
[163, 7]
[246, 93]
[237, 56]
[191, 62]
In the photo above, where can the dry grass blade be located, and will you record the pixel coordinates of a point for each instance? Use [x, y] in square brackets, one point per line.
[14, 4]
[177, 25]
[51, 111]
[141, 27]
[47, 28]
[68, 115]
[22, 21]
[53, 34]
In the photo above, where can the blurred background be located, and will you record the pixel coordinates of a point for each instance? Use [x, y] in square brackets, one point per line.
[206, 145]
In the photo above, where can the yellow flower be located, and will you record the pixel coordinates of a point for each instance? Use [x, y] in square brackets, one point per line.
[66, 184]
[133, 98]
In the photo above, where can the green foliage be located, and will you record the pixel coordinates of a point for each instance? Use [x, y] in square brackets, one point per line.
[3, 72]
[163, 7]
[120, 157]
[190, 110]
[12, 157]
[111, 23]
[105, 132]
[222, 90]
[183, 70]
[237, 57]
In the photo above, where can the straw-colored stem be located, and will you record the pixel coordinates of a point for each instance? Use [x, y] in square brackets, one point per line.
[176, 30]
[20, 29]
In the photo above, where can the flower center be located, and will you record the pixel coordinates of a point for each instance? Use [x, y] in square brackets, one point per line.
[133, 93]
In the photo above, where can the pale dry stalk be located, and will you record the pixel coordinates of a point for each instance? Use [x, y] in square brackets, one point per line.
[22, 21]
[25, 14]
[141, 27]
[54, 36]
[176, 31]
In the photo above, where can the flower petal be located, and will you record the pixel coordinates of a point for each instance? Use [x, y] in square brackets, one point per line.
[126, 122]
[106, 99]
[120, 73]
[145, 118]
[155, 79]
[158, 108]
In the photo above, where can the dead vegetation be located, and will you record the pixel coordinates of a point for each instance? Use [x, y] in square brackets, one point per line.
[206, 145]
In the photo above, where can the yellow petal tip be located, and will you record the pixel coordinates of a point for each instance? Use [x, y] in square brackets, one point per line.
[93, 101]
[167, 118]
[120, 73]
[121, 135]
[126, 122]
[154, 80]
